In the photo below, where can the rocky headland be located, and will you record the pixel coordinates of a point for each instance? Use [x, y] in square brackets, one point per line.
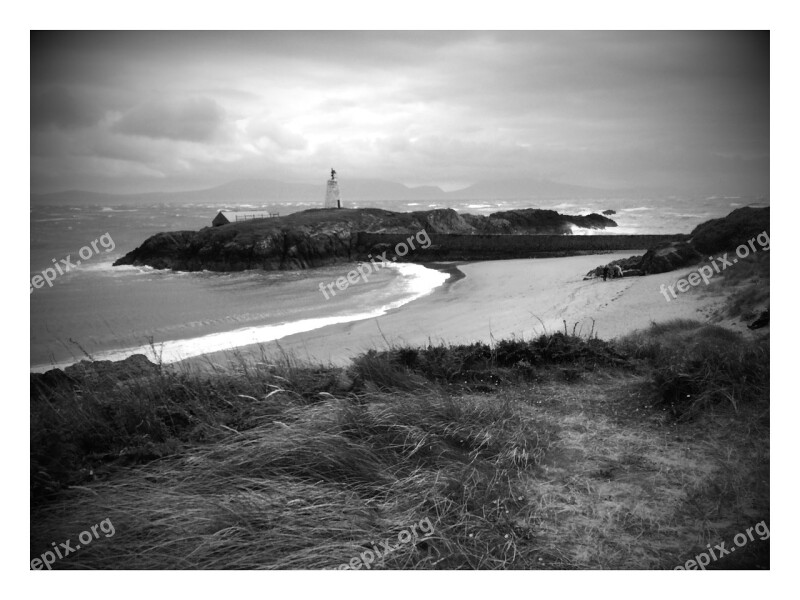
[714, 236]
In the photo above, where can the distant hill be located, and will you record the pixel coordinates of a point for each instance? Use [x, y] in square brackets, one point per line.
[256, 191]
[264, 191]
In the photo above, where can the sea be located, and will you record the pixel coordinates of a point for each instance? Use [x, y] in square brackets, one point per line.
[96, 311]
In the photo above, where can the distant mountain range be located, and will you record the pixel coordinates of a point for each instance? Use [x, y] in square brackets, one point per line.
[265, 191]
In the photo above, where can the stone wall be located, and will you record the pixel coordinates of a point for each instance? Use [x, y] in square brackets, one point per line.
[491, 247]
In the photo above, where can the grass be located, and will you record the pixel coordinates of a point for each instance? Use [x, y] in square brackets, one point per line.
[695, 365]
[750, 280]
[744, 287]
[556, 452]
[480, 366]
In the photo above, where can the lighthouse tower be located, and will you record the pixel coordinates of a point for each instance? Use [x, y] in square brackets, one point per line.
[332, 199]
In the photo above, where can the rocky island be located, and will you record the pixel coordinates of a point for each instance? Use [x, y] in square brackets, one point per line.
[318, 237]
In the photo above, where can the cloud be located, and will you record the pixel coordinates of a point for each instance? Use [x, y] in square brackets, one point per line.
[424, 107]
[261, 130]
[191, 120]
[57, 107]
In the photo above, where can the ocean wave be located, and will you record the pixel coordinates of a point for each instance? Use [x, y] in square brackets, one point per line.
[93, 264]
[418, 281]
[690, 216]
[134, 268]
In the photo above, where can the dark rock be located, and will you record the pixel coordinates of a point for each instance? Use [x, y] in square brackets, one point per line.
[609, 212]
[761, 321]
[718, 235]
[668, 257]
[490, 224]
[534, 220]
[714, 236]
[446, 221]
[630, 266]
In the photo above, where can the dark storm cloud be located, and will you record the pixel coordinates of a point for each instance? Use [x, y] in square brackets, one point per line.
[191, 119]
[58, 107]
[688, 109]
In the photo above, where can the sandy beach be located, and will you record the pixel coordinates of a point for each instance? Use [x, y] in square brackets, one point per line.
[496, 300]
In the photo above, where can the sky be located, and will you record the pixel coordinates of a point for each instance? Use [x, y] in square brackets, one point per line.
[127, 112]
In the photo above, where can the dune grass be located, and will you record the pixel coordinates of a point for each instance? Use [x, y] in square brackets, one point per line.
[315, 485]
[547, 453]
[695, 365]
[745, 286]
[481, 366]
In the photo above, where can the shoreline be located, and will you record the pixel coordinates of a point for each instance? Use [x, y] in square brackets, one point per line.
[479, 301]
[217, 337]
[491, 300]
[451, 268]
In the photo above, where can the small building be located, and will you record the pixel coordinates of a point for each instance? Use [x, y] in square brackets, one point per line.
[232, 216]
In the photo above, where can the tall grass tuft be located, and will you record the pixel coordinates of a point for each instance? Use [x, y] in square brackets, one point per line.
[695, 366]
[316, 484]
[481, 365]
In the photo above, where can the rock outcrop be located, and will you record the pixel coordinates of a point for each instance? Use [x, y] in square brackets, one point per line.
[536, 221]
[718, 235]
[714, 236]
[631, 267]
[668, 257]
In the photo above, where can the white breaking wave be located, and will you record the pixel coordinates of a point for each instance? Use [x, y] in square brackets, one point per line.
[420, 281]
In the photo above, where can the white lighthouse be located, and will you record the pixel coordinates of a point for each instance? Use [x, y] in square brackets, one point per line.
[332, 199]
